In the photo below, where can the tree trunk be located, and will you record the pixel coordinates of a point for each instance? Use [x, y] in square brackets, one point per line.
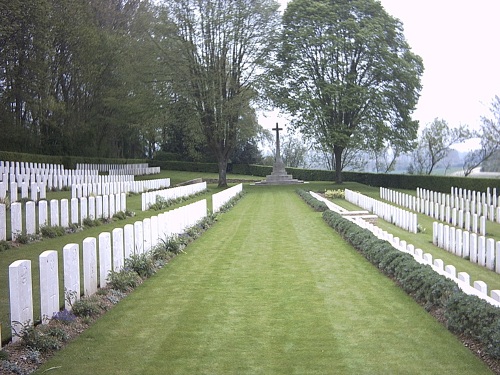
[337, 151]
[222, 172]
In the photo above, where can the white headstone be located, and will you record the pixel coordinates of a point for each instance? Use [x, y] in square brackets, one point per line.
[466, 244]
[473, 247]
[91, 208]
[481, 286]
[128, 240]
[481, 251]
[98, 207]
[30, 218]
[465, 277]
[84, 213]
[104, 257]
[112, 201]
[105, 206]
[439, 264]
[490, 254]
[3, 222]
[495, 294]
[451, 270]
[139, 238]
[482, 225]
[146, 230]
[54, 213]
[74, 211]
[459, 246]
[71, 259]
[21, 296]
[64, 213]
[118, 251]
[90, 281]
[16, 220]
[49, 284]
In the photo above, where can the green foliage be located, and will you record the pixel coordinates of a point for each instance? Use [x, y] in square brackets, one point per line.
[230, 203]
[141, 264]
[123, 281]
[24, 238]
[120, 216]
[311, 201]
[89, 222]
[162, 203]
[86, 307]
[4, 245]
[52, 231]
[43, 338]
[335, 194]
[465, 315]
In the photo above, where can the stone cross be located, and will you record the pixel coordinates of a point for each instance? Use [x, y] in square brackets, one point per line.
[278, 154]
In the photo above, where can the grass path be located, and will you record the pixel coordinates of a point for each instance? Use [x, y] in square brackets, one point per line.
[270, 289]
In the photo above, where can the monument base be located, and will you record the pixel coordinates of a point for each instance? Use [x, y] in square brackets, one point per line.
[279, 176]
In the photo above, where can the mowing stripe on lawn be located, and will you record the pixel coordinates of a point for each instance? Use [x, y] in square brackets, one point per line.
[270, 289]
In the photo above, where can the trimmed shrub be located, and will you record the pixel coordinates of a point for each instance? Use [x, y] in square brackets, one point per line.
[311, 201]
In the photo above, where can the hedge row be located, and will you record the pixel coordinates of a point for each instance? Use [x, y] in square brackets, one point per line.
[393, 181]
[465, 315]
[311, 201]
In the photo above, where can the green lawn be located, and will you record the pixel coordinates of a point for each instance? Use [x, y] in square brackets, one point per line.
[270, 289]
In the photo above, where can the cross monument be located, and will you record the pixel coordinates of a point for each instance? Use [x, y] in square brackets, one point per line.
[278, 175]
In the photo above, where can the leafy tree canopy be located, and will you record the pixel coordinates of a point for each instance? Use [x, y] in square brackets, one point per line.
[344, 68]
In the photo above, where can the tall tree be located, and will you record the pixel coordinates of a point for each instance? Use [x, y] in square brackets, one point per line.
[490, 140]
[344, 67]
[220, 46]
[434, 145]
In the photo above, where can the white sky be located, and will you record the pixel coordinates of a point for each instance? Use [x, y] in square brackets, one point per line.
[460, 47]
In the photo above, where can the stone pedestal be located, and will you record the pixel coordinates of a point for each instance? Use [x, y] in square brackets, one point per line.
[279, 176]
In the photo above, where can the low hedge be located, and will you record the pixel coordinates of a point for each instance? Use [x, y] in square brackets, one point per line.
[311, 201]
[464, 314]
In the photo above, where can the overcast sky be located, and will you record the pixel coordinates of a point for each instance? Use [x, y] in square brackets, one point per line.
[460, 47]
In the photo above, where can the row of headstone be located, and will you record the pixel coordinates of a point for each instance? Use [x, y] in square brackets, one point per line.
[151, 197]
[489, 197]
[47, 175]
[85, 190]
[221, 198]
[482, 204]
[58, 213]
[28, 191]
[401, 218]
[464, 217]
[14, 167]
[479, 249]
[478, 288]
[99, 256]
[138, 169]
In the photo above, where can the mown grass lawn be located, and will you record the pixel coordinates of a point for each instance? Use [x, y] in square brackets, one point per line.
[270, 289]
